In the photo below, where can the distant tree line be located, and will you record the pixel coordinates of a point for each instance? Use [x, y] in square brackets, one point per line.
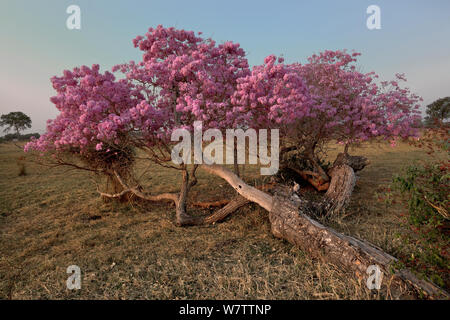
[19, 137]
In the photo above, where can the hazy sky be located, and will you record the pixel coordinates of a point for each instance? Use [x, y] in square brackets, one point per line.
[35, 43]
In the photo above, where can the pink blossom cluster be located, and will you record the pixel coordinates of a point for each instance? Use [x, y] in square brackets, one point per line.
[195, 77]
[350, 106]
[95, 110]
[273, 95]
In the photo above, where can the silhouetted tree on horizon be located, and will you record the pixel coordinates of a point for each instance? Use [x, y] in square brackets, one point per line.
[438, 111]
[15, 120]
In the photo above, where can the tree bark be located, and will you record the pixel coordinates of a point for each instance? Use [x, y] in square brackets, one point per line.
[248, 192]
[313, 178]
[180, 205]
[357, 163]
[211, 204]
[339, 192]
[235, 153]
[113, 186]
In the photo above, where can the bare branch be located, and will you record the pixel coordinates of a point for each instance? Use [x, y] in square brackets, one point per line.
[140, 194]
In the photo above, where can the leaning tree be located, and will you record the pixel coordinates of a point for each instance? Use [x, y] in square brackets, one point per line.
[183, 78]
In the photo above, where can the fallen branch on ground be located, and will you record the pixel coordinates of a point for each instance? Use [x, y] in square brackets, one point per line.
[290, 220]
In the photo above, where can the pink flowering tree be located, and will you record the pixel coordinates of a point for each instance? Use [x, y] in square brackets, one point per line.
[274, 95]
[194, 77]
[186, 78]
[96, 121]
[349, 107]
[183, 78]
[322, 101]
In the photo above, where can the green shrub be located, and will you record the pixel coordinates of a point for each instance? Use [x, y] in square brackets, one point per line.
[427, 188]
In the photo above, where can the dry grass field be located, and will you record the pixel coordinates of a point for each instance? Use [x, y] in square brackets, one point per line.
[50, 219]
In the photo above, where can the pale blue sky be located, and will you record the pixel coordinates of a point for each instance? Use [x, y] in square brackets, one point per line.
[35, 43]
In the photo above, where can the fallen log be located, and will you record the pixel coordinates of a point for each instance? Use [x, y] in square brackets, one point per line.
[221, 203]
[290, 219]
[357, 163]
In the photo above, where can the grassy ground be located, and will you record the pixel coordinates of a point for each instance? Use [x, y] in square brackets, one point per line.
[50, 219]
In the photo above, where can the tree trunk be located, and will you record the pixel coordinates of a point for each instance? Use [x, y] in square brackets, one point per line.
[113, 186]
[236, 165]
[339, 192]
[248, 192]
[323, 177]
[180, 205]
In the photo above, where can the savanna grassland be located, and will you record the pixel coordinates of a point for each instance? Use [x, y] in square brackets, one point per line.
[53, 218]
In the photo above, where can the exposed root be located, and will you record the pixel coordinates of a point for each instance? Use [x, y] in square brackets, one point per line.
[182, 218]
